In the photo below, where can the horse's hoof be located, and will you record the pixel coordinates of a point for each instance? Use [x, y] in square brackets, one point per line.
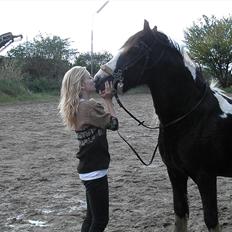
[216, 229]
[181, 224]
[180, 230]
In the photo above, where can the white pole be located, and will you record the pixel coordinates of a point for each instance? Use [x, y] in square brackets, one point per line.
[91, 54]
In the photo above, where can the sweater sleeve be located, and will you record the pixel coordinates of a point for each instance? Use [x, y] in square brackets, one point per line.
[93, 113]
[97, 115]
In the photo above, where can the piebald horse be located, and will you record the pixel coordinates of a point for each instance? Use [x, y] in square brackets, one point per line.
[195, 134]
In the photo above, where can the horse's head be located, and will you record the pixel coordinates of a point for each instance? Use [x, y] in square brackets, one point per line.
[130, 66]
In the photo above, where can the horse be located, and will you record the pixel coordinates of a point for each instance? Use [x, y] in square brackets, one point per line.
[195, 117]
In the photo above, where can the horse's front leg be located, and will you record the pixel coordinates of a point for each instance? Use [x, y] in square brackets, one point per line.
[208, 190]
[180, 198]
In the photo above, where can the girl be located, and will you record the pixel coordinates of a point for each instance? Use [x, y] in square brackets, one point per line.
[90, 121]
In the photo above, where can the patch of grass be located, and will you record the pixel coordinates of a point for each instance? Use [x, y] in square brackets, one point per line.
[14, 90]
[39, 97]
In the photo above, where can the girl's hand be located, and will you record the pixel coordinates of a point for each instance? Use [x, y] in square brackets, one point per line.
[108, 92]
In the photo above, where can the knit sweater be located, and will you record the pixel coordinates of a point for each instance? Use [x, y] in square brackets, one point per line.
[93, 122]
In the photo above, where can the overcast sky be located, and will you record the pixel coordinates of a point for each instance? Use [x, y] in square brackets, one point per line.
[117, 21]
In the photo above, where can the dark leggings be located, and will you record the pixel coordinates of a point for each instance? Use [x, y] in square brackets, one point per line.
[97, 198]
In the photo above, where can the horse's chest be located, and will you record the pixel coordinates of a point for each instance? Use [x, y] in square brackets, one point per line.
[176, 152]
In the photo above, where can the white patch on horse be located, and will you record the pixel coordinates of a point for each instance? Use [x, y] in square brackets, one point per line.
[190, 64]
[225, 106]
[112, 63]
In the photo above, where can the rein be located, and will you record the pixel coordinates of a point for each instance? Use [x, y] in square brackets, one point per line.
[132, 116]
[136, 153]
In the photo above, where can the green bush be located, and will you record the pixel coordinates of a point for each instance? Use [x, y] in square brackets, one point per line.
[42, 84]
[12, 88]
[228, 90]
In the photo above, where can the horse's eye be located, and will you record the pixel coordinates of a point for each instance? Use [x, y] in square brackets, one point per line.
[133, 50]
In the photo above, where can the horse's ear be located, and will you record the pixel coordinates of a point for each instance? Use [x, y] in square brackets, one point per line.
[146, 26]
[154, 28]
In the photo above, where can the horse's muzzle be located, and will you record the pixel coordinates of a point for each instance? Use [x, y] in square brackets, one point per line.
[100, 82]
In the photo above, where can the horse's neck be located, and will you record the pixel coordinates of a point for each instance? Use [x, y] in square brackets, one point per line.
[174, 100]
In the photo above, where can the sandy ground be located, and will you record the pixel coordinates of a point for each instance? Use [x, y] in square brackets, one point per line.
[40, 190]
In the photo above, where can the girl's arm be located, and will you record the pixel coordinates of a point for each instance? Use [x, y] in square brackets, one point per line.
[110, 107]
[107, 95]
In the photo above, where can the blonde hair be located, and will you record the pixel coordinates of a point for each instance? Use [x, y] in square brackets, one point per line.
[70, 95]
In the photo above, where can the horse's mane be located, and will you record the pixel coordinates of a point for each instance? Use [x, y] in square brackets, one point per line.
[165, 40]
[180, 53]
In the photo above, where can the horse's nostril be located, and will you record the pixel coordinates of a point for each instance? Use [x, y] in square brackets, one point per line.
[97, 77]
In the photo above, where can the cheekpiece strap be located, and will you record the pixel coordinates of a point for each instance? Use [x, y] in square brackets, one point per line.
[106, 69]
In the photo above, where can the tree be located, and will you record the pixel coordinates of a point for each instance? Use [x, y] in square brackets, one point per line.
[210, 44]
[84, 59]
[45, 47]
[45, 60]
[45, 56]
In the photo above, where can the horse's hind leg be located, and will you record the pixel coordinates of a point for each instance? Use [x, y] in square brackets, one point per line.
[216, 229]
[180, 198]
[208, 189]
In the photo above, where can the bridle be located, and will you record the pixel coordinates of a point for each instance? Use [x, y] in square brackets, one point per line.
[118, 79]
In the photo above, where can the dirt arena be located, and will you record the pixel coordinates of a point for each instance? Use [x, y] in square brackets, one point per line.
[40, 190]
